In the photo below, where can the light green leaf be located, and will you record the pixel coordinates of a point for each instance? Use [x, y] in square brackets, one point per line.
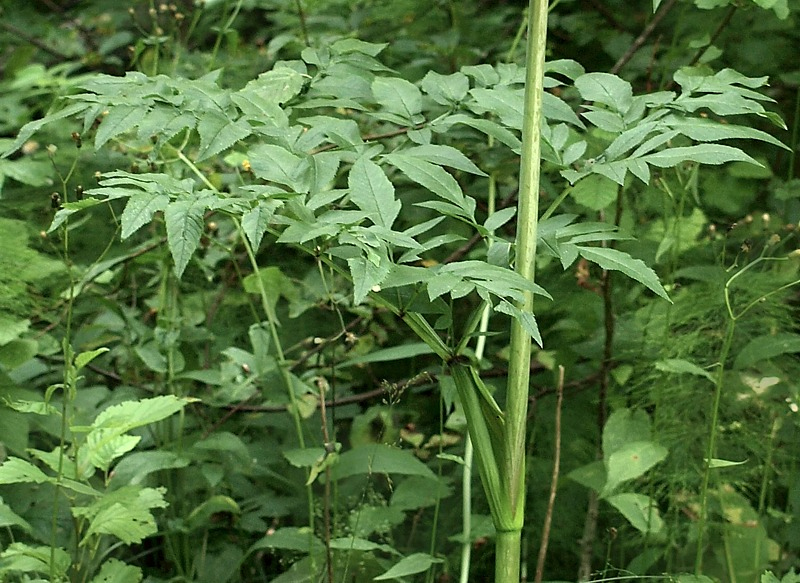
[640, 510]
[499, 218]
[446, 89]
[290, 538]
[218, 133]
[613, 259]
[631, 461]
[379, 459]
[15, 471]
[130, 414]
[767, 347]
[84, 358]
[410, 565]
[25, 558]
[595, 192]
[275, 164]
[680, 366]
[625, 426]
[390, 354]
[32, 127]
[10, 518]
[398, 96]
[130, 525]
[17, 352]
[134, 468]
[184, 220]
[433, 177]
[720, 463]
[256, 220]
[200, 517]
[371, 191]
[115, 571]
[366, 276]
[488, 127]
[607, 89]
[140, 210]
[304, 457]
[120, 119]
[444, 156]
[701, 153]
[102, 447]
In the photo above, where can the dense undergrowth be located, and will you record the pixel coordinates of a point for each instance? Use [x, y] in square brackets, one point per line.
[255, 284]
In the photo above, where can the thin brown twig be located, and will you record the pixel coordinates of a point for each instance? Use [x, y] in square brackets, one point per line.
[551, 501]
[715, 35]
[663, 10]
[34, 41]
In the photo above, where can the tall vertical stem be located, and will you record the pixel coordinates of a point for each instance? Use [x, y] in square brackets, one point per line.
[513, 466]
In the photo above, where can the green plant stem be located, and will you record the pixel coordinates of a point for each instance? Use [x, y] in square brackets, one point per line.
[466, 478]
[507, 552]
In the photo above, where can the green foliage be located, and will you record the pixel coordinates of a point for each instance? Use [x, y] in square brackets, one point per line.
[263, 206]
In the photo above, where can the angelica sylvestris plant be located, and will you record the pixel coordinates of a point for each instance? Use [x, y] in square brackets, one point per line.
[338, 158]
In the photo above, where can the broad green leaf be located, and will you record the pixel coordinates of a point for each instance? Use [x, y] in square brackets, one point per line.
[418, 492]
[184, 220]
[592, 475]
[595, 192]
[279, 85]
[115, 571]
[433, 177]
[398, 96]
[17, 353]
[134, 468]
[257, 219]
[304, 457]
[410, 565]
[275, 164]
[625, 426]
[130, 414]
[607, 89]
[200, 516]
[15, 470]
[640, 510]
[371, 191]
[379, 459]
[705, 130]
[69, 209]
[701, 153]
[390, 354]
[102, 447]
[488, 127]
[351, 543]
[504, 102]
[130, 525]
[444, 155]
[10, 518]
[140, 210]
[613, 259]
[680, 366]
[446, 89]
[631, 461]
[218, 133]
[499, 218]
[84, 358]
[120, 119]
[32, 127]
[366, 276]
[289, 538]
[35, 559]
[767, 347]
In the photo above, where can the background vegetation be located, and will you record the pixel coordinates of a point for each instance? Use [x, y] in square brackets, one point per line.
[225, 390]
